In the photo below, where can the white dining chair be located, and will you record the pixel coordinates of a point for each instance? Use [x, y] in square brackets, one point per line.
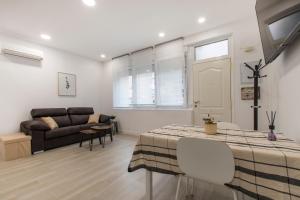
[227, 125]
[206, 160]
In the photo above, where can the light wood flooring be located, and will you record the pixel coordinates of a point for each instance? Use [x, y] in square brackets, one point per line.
[73, 173]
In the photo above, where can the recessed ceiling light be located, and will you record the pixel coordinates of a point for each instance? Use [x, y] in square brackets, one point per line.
[201, 20]
[89, 3]
[45, 37]
[103, 56]
[161, 34]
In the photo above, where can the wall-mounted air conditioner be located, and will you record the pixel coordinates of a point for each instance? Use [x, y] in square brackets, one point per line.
[23, 52]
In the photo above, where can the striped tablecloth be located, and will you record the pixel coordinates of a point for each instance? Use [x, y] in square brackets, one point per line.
[263, 169]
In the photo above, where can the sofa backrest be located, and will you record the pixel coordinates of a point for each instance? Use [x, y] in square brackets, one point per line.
[48, 112]
[60, 115]
[80, 115]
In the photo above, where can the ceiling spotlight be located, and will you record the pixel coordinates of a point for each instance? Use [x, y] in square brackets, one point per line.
[103, 56]
[45, 37]
[89, 3]
[201, 20]
[161, 35]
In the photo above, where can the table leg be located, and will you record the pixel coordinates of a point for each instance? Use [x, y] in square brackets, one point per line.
[149, 185]
[103, 144]
[80, 145]
[111, 135]
[117, 127]
[91, 143]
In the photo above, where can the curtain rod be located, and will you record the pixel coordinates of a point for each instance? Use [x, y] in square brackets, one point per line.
[150, 47]
[127, 54]
[159, 44]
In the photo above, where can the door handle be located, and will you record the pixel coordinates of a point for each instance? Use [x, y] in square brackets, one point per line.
[196, 103]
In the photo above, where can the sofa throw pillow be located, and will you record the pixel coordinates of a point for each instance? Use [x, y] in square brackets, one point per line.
[50, 122]
[93, 119]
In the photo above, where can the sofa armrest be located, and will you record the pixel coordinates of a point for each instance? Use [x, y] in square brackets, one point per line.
[36, 129]
[36, 125]
[106, 119]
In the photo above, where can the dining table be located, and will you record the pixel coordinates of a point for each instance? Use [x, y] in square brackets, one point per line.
[264, 169]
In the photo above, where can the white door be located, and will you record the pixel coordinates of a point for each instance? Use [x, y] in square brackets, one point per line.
[212, 95]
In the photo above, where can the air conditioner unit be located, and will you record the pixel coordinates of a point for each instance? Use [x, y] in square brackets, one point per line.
[23, 52]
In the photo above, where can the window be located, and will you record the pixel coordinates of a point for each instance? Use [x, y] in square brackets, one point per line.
[153, 77]
[143, 78]
[170, 74]
[122, 84]
[216, 49]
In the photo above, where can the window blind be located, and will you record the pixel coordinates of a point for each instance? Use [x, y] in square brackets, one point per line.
[170, 74]
[122, 82]
[143, 77]
[150, 77]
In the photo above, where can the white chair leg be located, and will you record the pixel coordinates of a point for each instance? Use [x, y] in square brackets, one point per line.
[178, 187]
[187, 186]
[193, 186]
[234, 195]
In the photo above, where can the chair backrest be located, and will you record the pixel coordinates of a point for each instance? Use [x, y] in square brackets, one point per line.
[207, 160]
[228, 125]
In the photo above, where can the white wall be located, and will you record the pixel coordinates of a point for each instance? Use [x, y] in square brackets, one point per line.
[244, 33]
[27, 84]
[282, 90]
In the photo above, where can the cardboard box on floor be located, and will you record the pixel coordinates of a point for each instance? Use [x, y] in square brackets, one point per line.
[14, 146]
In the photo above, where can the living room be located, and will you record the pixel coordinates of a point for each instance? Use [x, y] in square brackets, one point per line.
[141, 76]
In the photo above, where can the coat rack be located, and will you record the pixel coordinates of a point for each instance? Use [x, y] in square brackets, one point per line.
[256, 76]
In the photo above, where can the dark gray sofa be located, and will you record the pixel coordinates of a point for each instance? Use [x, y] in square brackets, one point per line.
[70, 121]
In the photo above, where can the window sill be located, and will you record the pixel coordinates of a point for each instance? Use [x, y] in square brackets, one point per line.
[155, 109]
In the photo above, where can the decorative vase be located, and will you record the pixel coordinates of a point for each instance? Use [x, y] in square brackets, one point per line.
[210, 128]
[271, 134]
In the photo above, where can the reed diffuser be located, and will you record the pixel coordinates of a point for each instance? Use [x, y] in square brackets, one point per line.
[271, 119]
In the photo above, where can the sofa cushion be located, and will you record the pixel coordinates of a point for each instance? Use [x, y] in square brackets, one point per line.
[88, 126]
[93, 118]
[48, 112]
[50, 122]
[80, 111]
[79, 119]
[60, 132]
[63, 121]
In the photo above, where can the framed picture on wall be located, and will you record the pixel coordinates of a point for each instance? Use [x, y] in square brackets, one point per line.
[66, 84]
[247, 93]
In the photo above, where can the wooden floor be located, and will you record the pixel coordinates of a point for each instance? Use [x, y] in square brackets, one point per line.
[73, 173]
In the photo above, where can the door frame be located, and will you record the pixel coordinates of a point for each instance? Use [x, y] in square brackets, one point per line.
[193, 61]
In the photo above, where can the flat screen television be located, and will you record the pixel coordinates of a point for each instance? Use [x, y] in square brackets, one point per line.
[279, 25]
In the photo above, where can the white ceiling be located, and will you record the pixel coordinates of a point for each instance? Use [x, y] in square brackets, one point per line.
[114, 27]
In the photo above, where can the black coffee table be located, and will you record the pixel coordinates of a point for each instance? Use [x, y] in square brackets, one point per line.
[92, 134]
[105, 129]
[96, 132]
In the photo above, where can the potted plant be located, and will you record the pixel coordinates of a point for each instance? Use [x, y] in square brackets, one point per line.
[210, 126]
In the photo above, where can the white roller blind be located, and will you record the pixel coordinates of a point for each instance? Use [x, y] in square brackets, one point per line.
[151, 77]
[170, 74]
[122, 82]
[143, 77]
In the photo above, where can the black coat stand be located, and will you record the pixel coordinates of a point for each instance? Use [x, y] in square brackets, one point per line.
[256, 76]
